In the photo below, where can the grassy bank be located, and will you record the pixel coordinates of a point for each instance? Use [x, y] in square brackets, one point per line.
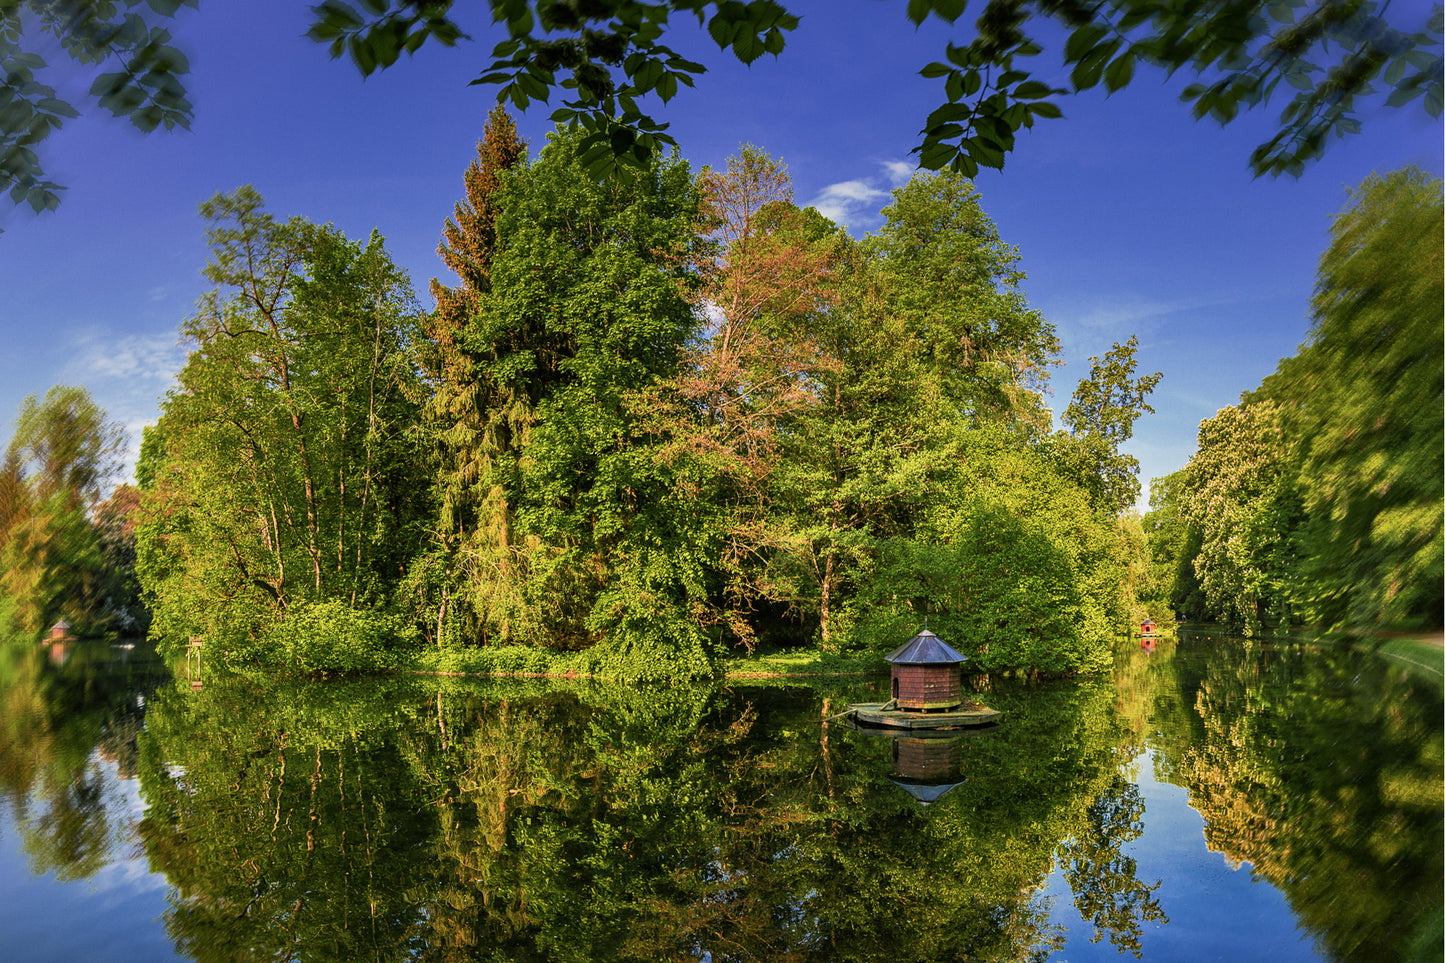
[1423, 656]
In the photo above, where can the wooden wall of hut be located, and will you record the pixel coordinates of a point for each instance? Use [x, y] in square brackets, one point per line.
[927, 686]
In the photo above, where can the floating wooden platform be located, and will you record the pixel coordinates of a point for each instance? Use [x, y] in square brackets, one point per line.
[874, 714]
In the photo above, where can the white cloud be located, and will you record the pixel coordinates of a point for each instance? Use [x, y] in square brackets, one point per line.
[1124, 314]
[899, 172]
[150, 358]
[856, 203]
[845, 201]
[126, 376]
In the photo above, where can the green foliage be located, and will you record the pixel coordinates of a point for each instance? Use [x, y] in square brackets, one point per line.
[1010, 563]
[1319, 496]
[146, 88]
[1239, 497]
[281, 470]
[1369, 386]
[1329, 56]
[61, 457]
[1101, 417]
[323, 636]
[583, 320]
[662, 426]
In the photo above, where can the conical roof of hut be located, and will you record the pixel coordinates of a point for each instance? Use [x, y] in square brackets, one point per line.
[924, 792]
[925, 648]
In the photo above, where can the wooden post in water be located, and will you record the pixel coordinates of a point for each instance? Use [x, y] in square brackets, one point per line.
[194, 649]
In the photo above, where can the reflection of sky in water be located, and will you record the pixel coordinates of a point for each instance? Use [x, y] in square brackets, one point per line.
[1207, 902]
[114, 915]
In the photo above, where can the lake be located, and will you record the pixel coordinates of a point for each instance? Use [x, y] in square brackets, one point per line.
[1216, 799]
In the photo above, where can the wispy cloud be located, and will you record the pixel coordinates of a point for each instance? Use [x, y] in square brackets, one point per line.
[126, 375]
[898, 172]
[855, 203]
[153, 359]
[1124, 314]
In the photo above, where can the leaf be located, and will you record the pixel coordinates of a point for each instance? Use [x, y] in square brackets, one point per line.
[950, 10]
[935, 155]
[1045, 108]
[947, 114]
[961, 56]
[57, 107]
[1403, 95]
[953, 86]
[1081, 41]
[722, 31]
[1119, 73]
[1281, 12]
[935, 69]
[621, 139]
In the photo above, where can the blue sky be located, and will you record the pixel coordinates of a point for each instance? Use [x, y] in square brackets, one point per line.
[1131, 218]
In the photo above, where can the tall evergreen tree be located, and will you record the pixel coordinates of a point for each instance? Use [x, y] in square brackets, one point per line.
[472, 532]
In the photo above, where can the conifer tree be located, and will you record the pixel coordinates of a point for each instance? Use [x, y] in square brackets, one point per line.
[458, 410]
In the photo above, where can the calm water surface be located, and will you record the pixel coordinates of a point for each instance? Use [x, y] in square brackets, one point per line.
[1215, 800]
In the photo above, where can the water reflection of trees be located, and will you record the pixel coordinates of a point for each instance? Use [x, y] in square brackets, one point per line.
[1321, 768]
[61, 719]
[452, 821]
[519, 823]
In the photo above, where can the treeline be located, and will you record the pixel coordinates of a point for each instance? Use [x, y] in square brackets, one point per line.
[1317, 499]
[659, 419]
[67, 552]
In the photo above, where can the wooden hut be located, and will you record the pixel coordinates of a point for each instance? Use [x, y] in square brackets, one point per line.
[926, 674]
[1146, 627]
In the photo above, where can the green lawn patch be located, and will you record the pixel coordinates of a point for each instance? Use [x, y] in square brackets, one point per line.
[800, 662]
[1422, 657]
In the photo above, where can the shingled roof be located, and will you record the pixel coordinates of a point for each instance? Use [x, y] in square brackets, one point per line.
[925, 648]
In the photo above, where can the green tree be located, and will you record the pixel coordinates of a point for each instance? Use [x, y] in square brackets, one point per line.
[1319, 496]
[1240, 484]
[62, 455]
[471, 552]
[582, 326]
[282, 473]
[1368, 384]
[1171, 558]
[1101, 417]
[931, 335]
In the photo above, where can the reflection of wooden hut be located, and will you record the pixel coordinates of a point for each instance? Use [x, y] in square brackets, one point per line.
[927, 768]
[926, 674]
